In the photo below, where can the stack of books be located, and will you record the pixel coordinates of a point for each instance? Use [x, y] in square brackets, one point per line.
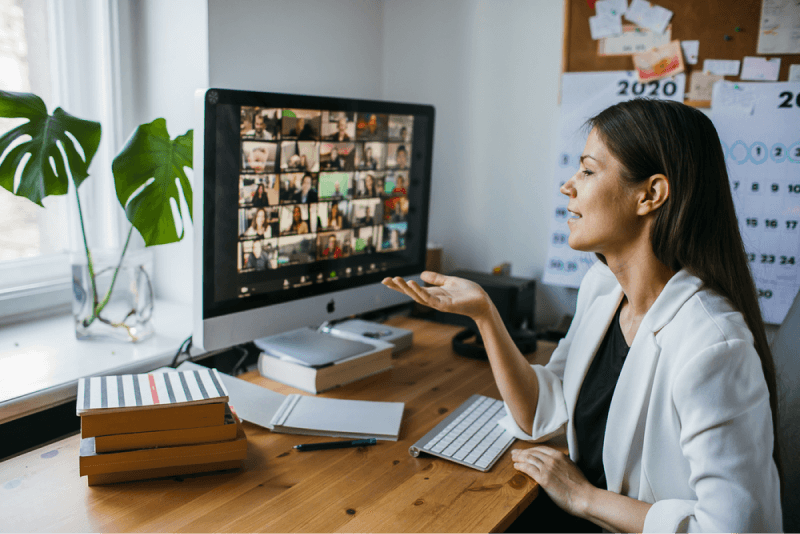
[154, 425]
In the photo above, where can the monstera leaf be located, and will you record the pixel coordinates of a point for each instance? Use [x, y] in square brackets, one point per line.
[39, 179]
[148, 172]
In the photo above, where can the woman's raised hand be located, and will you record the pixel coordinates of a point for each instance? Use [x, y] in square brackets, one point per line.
[447, 293]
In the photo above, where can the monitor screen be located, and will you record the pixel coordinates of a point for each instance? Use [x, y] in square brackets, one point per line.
[304, 196]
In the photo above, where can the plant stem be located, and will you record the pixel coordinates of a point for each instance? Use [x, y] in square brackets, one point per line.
[88, 254]
[99, 307]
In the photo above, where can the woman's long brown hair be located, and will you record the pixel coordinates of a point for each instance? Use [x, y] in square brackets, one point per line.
[696, 228]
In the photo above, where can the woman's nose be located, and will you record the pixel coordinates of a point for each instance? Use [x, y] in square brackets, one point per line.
[568, 188]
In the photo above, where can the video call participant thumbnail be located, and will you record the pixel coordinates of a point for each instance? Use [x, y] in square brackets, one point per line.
[295, 220]
[297, 249]
[259, 157]
[338, 126]
[372, 127]
[258, 222]
[259, 254]
[300, 156]
[397, 156]
[400, 127]
[394, 236]
[334, 185]
[337, 156]
[371, 156]
[301, 124]
[307, 193]
[263, 123]
[332, 246]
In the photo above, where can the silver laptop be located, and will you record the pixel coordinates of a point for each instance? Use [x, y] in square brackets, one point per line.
[309, 347]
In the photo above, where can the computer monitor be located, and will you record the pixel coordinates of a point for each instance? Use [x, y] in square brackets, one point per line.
[305, 204]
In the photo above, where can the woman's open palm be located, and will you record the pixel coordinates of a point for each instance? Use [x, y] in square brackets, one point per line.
[447, 293]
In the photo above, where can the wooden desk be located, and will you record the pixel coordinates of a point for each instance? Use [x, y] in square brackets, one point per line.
[370, 489]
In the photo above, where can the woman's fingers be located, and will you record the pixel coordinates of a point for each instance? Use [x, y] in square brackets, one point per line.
[433, 278]
[398, 284]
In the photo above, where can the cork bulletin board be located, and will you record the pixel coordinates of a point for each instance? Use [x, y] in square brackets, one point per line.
[707, 21]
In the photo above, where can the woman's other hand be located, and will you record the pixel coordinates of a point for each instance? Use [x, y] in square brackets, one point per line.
[559, 477]
[447, 294]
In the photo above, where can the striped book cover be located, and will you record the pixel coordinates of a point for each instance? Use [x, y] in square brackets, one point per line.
[107, 394]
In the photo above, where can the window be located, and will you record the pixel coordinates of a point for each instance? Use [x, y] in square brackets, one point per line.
[64, 52]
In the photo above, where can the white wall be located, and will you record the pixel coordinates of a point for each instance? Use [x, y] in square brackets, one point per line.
[164, 60]
[313, 47]
[490, 67]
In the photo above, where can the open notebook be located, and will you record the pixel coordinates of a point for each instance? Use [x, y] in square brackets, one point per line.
[310, 415]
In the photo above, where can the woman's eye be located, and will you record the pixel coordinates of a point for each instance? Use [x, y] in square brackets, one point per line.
[587, 172]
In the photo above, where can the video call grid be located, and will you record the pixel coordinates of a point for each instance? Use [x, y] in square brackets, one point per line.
[318, 184]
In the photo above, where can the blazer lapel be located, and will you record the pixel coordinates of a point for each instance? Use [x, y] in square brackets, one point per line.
[585, 344]
[628, 410]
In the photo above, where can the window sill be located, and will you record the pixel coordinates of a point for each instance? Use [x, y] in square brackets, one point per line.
[41, 360]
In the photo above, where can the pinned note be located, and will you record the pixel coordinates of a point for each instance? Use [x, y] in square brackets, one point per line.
[701, 85]
[794, 73]
[691, 51]
[660, 62]
[605, 26]
[611, 8]
[734, 97]
[650, 16]
[722, 67]
[760, 69]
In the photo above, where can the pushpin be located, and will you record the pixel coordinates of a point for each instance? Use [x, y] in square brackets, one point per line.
[736, 86]
[738, 28]
[727, 37]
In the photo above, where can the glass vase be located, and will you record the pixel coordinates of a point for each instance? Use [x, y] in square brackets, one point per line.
[123, 312]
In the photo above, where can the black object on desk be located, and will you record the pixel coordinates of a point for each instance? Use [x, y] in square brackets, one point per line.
[514, 299]
[335, 444]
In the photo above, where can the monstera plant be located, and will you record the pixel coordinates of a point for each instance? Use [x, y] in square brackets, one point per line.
[148, 172]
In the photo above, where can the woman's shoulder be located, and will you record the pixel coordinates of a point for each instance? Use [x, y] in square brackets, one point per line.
[706, 320]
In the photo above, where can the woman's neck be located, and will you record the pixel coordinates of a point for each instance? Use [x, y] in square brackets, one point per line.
[642, 277]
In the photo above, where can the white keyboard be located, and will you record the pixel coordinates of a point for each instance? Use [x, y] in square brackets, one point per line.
[470, 435]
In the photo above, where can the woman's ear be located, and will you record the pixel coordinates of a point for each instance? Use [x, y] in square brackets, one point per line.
[655, 191]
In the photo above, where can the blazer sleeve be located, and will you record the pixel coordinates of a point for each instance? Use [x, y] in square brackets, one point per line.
[721, 400]
[551, 414]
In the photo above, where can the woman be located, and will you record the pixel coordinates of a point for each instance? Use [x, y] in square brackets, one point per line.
[260, 198]
[298, 226]
[664, 384]
[258, 226]
[335, 219]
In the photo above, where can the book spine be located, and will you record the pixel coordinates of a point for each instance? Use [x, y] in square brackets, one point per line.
[160, 472]
[171, 418]
[164, 438]
[291, 374]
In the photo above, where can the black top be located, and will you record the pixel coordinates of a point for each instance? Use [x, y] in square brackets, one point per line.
[591, 410]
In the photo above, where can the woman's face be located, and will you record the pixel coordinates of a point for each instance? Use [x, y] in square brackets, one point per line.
[296, 214]
[334, 154]
[257, 249]
[334, 210]
[602, 208]
[368, 182]
[306, 184]
[261, 218]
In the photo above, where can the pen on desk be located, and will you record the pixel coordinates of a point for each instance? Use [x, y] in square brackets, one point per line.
[335, 444]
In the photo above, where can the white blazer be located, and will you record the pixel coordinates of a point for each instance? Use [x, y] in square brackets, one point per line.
[689, 426]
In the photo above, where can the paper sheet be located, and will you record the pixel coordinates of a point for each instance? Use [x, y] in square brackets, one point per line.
[760, 69]
[780, 27]
[701, 85]
[644, 14]
[611, 8]
[633, 40]
[794, 73]
[605, 26]
[723, 67]
[691, 51]
[734, 97]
